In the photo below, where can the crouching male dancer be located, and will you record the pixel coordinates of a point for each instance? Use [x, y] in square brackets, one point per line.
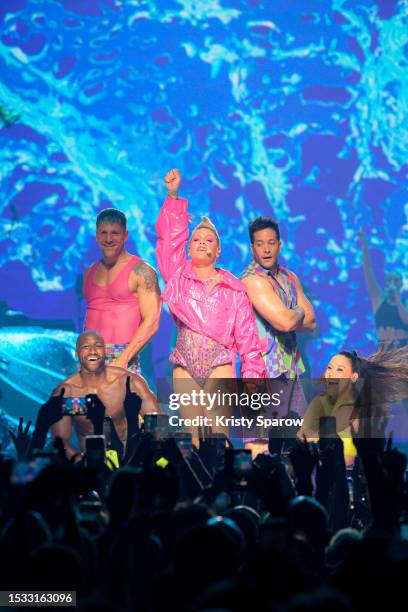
[97, 391]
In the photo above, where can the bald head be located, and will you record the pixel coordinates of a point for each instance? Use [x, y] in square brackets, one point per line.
[88, 334]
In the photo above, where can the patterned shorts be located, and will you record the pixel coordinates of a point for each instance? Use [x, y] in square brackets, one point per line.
[114, 350]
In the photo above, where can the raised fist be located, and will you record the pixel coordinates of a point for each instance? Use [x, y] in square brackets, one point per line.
[172, 180]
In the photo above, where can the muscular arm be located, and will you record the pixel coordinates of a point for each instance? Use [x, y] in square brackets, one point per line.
[373, 287]
[145, 287]
[309, 322]
[270, 307]
[149, 400]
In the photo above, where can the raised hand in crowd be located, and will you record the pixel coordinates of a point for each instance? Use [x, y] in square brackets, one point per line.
[331, 461]
[384, 469]
[132, 406]
[95, 412]
[271, 483]
[22, 439]
[211, 449]
[304, 458]
[50, 413]
[331, 481]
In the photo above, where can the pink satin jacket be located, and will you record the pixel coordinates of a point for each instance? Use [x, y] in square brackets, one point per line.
[225, 314]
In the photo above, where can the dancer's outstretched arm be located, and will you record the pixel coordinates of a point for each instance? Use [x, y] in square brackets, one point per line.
[172, 229]
[374, 289]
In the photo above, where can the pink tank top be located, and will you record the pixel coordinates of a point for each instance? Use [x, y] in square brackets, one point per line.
[112, 310]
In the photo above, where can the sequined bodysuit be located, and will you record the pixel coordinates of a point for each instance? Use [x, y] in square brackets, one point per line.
[198, 354]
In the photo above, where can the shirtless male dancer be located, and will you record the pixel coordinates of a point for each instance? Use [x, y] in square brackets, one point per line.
[122, 294]
[115, 392]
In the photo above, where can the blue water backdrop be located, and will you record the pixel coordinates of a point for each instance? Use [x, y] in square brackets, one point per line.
[298, 110]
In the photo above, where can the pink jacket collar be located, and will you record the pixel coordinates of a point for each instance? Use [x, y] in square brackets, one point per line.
[226, 277]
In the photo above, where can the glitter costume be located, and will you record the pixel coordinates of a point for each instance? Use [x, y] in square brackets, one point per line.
[198, 354]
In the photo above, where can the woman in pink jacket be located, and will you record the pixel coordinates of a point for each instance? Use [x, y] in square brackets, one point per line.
[210, 306]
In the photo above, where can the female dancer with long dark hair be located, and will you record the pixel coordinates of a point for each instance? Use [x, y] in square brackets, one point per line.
[358, 388]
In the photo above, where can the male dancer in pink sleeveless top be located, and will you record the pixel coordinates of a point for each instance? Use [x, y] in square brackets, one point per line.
[122, 294]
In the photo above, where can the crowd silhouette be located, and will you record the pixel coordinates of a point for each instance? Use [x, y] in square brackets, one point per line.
[166, 532]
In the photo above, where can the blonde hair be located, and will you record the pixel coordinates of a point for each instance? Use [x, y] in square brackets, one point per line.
[206, 223]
